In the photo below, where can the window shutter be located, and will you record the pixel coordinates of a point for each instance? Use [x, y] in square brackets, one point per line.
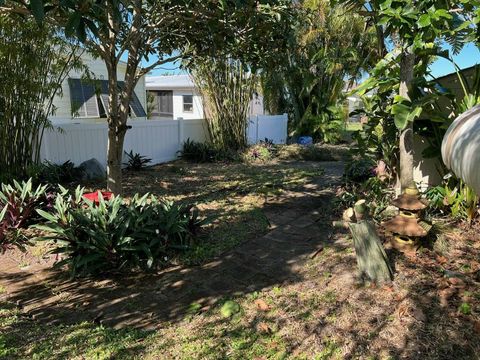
[76, 98]
[91, 102]
[135, 105]
[83, 99]
[104, 95]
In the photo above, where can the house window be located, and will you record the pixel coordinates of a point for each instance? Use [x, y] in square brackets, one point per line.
[161, 103]
[188, 103]
[90, 99]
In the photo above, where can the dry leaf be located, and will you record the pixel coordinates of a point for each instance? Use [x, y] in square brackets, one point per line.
[442, 259]
[388, 288]
[459, 283]
[262, 305]
[264, 328]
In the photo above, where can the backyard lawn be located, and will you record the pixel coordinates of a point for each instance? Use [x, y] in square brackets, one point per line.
[269, 279]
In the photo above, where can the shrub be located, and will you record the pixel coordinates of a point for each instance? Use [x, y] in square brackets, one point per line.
[377, 193]
[359, 170]
[18, 203]
[117, 234]
[260, 152]
[53, 174]
[455, 198]
[205, 152]
[136, 161]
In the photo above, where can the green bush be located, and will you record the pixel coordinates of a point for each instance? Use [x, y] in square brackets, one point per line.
[316, 152]
[359, 170]
[205, 152]
[53, 174]
[377, 193]
[117, 234]
[18, 203]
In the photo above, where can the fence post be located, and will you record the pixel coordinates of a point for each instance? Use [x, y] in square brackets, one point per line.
[285, 120]
[181, 133]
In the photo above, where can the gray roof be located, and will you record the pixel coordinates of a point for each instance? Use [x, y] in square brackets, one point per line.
[169, 82]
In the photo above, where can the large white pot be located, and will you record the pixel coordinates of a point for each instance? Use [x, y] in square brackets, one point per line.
[461, 147]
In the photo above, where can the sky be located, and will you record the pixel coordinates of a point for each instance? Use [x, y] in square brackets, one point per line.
[469, 56]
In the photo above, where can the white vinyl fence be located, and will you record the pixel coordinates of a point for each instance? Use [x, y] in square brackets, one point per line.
[159, 140]
[272, 127]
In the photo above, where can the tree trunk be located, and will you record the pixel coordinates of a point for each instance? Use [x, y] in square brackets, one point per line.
[116, 138]
[406, 137]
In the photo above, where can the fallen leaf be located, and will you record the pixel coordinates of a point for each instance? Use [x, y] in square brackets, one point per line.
[442, 259]
[459, 283]
[229, 308]
[388, 288]
[264, 328]
[262, 305]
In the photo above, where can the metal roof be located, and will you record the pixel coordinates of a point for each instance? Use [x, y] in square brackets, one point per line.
[169, 82]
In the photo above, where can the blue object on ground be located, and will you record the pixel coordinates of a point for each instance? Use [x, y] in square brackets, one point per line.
[305, 140]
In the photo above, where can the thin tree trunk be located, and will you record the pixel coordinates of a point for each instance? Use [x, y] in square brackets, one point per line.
[406, 137]
[114, 160]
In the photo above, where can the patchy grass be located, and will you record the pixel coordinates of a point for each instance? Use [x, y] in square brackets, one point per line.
[234, 194]
[316, 152]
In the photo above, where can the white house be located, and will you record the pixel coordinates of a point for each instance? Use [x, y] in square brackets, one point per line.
[172, 97]
[86, 101]
[176, 96]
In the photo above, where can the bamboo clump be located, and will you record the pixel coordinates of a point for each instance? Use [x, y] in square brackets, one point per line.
[227, 87]
[33, 64]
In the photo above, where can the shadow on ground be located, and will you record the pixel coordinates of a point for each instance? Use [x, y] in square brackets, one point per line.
[300, 227]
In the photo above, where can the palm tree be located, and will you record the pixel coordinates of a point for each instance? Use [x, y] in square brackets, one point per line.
[330, 46]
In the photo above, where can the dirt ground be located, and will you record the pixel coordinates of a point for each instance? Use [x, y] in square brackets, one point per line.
[276, 281]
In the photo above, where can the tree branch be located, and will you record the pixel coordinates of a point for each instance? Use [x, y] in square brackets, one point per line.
[149, 68]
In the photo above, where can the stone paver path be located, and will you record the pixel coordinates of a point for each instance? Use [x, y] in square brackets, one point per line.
[300, 227]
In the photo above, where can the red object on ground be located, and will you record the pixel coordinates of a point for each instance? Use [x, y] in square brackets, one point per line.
[94, 196]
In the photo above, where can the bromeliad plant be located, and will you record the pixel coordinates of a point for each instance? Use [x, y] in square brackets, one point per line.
[113, 235]
[18, 203]
[136, 161]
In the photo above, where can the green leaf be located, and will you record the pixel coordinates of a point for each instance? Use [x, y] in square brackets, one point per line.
[36, 6]
[401, 112]
[424, 21]
[73, 23]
